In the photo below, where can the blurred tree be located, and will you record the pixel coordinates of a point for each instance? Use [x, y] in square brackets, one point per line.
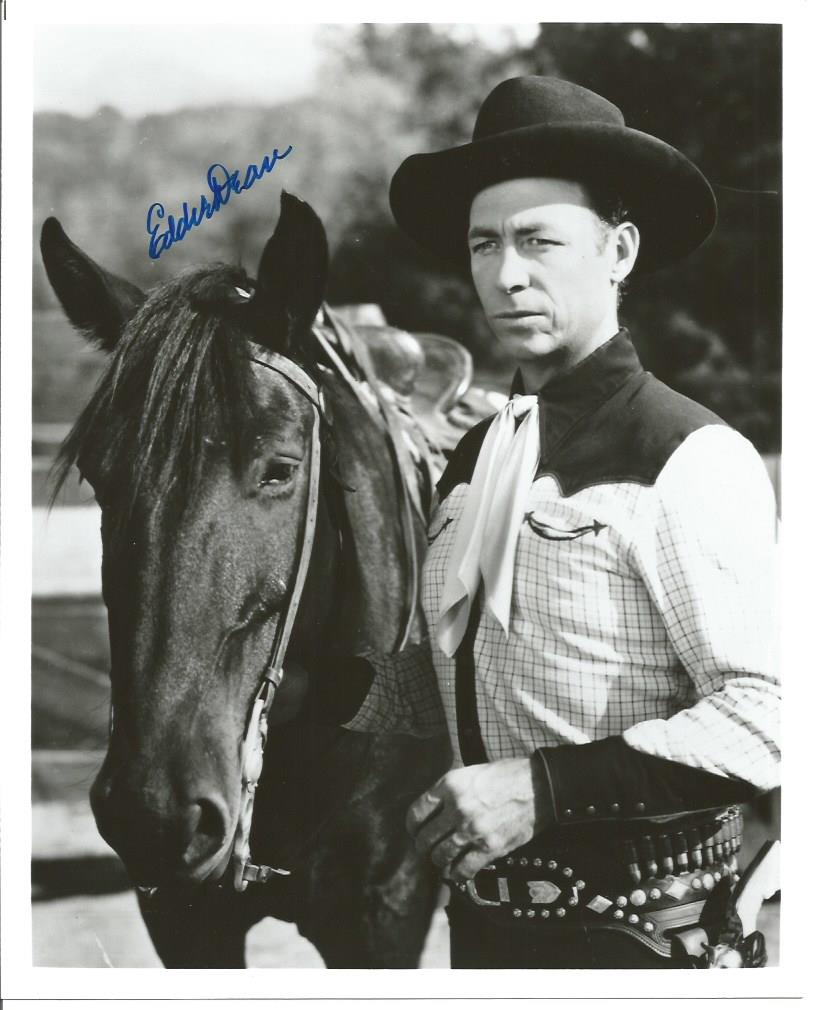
[711, 326]
[411, 87]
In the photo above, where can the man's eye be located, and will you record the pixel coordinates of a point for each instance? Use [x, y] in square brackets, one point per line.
[482, 247]
[537, 242]
[277, 473]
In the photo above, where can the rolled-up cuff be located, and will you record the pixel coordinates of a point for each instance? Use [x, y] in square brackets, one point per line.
[608, 780]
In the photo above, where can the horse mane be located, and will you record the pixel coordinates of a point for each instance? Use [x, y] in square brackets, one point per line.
[177, 383]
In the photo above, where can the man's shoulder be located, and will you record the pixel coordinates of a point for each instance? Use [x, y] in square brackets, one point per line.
[656, 402]
[658, 419]
[630, 438]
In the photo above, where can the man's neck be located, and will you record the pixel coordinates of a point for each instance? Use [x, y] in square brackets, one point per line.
[538, 372]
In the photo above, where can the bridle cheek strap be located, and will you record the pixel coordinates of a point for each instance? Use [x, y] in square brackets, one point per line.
[254, 741]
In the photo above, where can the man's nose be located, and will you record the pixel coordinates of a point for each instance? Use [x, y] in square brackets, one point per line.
[513, 274]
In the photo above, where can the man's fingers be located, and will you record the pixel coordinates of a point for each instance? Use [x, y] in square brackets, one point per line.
[433, 831]
[428, 805]
[446, 851]
[466, 867]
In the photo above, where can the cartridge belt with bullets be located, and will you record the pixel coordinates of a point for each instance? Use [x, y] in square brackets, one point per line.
[647, 880]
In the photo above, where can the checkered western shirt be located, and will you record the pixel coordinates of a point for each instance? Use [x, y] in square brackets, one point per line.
[641, 603]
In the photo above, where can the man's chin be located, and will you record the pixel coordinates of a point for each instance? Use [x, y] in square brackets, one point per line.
[528, 346]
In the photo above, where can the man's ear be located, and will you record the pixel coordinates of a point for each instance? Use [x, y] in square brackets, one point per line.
[626, 238]
[291, 277]
[98, 303]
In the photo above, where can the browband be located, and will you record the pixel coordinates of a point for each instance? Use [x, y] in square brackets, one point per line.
[285, 366]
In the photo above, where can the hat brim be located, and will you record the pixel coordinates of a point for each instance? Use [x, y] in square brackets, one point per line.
[667, 196]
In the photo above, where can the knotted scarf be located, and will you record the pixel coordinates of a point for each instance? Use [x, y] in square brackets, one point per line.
[487, 534]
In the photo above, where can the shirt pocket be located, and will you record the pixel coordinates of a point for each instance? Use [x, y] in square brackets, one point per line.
[570, 569]
[557, 529]
[441, 533]
[443, 522]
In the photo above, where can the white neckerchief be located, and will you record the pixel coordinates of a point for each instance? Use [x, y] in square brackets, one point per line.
[487, 533]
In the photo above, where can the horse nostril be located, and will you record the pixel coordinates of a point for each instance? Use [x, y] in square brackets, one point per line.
[212, 822]
[159, 832]
[206, 826]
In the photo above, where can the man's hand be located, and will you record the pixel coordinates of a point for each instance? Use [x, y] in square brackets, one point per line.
[476, 814]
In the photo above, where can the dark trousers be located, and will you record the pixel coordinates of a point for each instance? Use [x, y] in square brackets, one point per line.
[477, 942]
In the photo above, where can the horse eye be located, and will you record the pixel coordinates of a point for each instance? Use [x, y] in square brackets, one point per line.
[277, 473]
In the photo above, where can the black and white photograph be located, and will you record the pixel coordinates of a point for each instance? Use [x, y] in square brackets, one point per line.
[406, 502]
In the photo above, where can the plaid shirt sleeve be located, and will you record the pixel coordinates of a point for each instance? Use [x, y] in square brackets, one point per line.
[403, 696]
[707, 558]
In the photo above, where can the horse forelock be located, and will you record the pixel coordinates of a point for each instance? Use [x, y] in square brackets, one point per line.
[177, 383]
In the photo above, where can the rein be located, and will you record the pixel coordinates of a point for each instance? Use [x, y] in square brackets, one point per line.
[254, 741]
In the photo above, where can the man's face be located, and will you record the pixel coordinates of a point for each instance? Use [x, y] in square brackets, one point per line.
[542, 268]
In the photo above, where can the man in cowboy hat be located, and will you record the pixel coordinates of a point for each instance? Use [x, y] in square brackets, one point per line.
[599, 567]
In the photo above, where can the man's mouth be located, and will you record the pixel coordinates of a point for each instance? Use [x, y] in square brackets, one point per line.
[516, 314]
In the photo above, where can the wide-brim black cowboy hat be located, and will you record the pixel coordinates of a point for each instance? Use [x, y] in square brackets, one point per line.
[545, 127]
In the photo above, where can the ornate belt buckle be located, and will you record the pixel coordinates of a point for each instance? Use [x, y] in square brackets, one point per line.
[475, 897]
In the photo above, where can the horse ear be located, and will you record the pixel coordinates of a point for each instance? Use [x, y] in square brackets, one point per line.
[291, 277]
[95, 301]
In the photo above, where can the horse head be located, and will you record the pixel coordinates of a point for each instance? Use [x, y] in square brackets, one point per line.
[199, 459]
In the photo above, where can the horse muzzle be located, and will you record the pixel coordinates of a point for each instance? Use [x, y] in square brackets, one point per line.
[164, 836]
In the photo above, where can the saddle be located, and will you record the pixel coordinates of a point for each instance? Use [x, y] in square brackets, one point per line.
[418, 391]
[425, 378]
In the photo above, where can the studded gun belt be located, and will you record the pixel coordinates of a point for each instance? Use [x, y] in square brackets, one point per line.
[646, 884]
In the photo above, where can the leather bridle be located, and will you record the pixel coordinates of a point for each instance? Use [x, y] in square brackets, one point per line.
[254, 741]
[244, 870]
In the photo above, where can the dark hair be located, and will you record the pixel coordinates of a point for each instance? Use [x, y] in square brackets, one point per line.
[179, 375]
[608, 205]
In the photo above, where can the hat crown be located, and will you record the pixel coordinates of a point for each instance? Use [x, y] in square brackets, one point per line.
[542, 101]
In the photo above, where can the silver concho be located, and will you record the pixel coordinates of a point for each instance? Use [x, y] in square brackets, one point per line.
[542, 892]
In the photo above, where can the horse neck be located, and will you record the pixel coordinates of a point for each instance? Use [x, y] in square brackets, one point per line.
[370, 570]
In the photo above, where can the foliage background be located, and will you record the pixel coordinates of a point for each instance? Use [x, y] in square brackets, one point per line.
[710, 327]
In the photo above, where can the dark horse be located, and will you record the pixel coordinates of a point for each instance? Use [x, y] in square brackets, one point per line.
[198, 459]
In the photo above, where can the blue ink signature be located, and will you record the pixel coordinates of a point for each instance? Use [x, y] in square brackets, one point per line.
[222, 184]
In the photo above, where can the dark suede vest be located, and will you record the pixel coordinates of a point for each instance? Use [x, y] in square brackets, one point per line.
[605, 421]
